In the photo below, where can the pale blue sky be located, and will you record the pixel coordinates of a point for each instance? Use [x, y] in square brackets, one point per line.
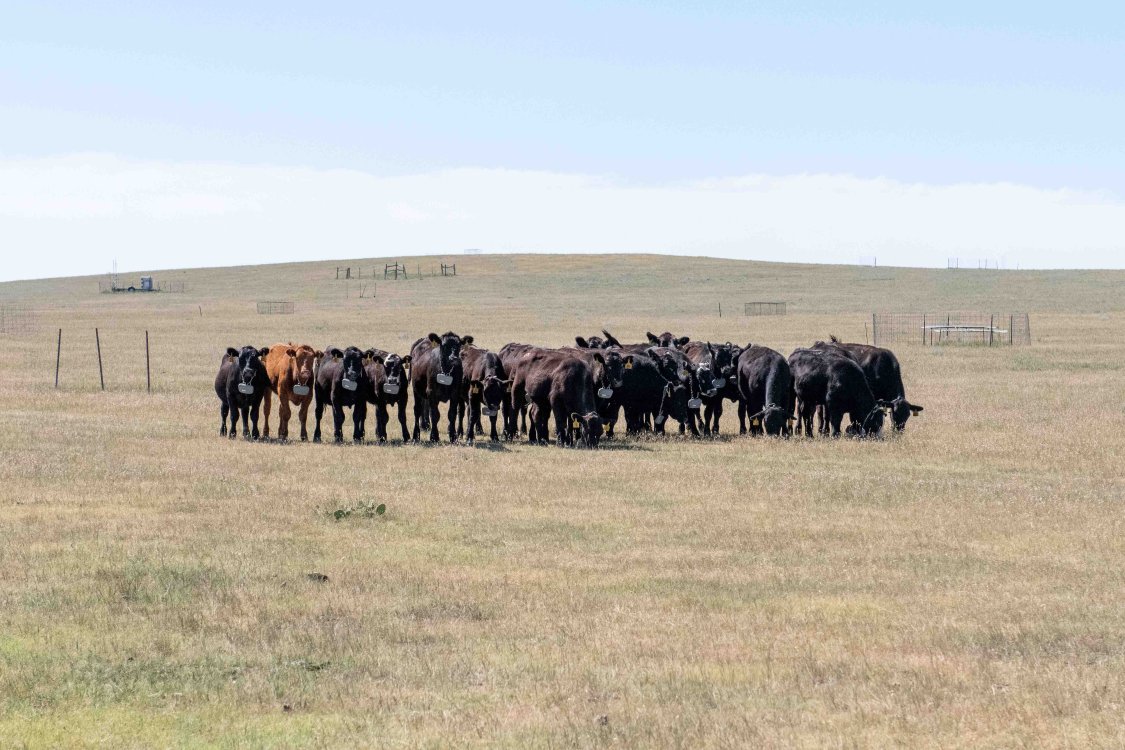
[643, 94]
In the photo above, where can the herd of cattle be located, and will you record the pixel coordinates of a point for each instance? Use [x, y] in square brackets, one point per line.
[585, 388]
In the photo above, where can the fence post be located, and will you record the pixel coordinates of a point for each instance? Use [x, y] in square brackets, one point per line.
[1011, 330]
[98, 342]
[874, 334]
[148, 369]
[720, 309]
[58, 359]
[923, 329]
[991, 327]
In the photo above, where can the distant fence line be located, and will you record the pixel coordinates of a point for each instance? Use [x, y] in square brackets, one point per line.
[275, 308]
[933, 329]
[172, 287]
[764, 308]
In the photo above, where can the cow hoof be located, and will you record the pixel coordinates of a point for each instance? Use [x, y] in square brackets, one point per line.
[223, 432]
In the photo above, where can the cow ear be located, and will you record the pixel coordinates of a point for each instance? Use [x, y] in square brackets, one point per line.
[232, 352]
[335, 353]
[582, 343]
[407, 359]
[652, 338]
[318, 355]
[683, 340]
[290, 352]
[466, 339]
[610, 339]
[265, 350]
[915, 409]
[435, 338]
[599, 358]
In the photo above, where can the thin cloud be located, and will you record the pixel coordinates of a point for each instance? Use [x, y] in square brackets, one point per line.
[80, 212]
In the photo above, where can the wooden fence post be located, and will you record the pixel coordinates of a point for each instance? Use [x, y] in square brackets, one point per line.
[991, 327]
[58, 359]
[98, 342]
[148, 369]
[923, 329]
[874, 335]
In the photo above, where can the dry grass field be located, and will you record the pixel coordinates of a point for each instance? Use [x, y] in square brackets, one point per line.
[960, 585]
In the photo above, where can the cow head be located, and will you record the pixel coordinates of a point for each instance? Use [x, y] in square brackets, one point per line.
[722, 359]
[493, 391]
[448, 346]
[302, 364]
[677, 382]
[901, 410]
[589, 426]
[614, 365]
[667, 339]
[351, 363]
[871, 425]
[394, 369]
[594, 342]
[775, 419]
[248, 362]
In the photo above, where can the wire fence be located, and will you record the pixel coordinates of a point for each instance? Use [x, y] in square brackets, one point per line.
[934, 329]
[275, 308]
[764, 308]
[16, 319]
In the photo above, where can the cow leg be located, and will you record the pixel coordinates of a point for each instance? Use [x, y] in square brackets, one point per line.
[741, 417]
[455, 407]
[359, 421]
[224, 410]
[381, 422]
[284, 411]
[716, 414]
[244, 414]
[234, 421]
[303, 416]
[267, 397]
[474, 416]
[254, 420]
[562, 426]
[402, 419]
[833, 417]
[523, 419]
[434, 416]
[319, 412]
[419, 406]
[337, 423]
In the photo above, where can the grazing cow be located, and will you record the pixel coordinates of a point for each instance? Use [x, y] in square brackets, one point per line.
[436, 372]
[240, 385]
[884, 375]
[714, 371]
[485, 389]
[561, 384]
[342, 382]
[388, 374]
[291, 369]
[765, 386]
[667, 340]
[837, 382]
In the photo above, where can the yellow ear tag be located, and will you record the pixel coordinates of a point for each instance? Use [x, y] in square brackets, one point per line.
[576, 424]
[629, 365]
[476, 388]
[755, 422]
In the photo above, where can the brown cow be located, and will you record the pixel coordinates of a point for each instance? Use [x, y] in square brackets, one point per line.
[290, 368]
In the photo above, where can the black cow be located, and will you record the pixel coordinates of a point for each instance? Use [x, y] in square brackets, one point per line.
[884, 375]
[677, 371]
[561, 384]
[240, 384]
[765, 386]
[667, 340]
[388, 374]
[485, 389]
[608, 367]
[515, 417]
[342, 382]
[714, 372]
[436, 372]
[837, 382]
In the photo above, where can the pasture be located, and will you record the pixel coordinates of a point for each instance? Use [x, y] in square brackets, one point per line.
[961, 584]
